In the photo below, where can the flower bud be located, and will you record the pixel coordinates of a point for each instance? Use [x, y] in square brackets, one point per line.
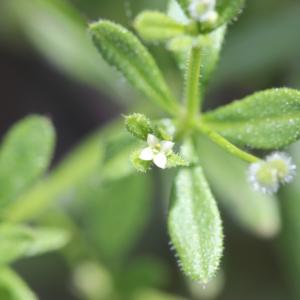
[203, 10]
[138, 125]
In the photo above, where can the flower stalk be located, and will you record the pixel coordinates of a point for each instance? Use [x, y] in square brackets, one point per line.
[225, 144]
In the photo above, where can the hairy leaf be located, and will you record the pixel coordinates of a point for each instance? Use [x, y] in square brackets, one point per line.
[194, 225]
[265, 120]
[105, 153]
[12, 287]
[228, 10]
[156, 26]
[210, 54]
[25, 154]
[22, 241]
[255, 212]
[123, 50]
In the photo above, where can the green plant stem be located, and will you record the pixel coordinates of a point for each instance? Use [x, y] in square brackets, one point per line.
[192, 83]
[225, 144]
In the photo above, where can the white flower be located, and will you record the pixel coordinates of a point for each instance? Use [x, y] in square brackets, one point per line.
[263, 178]
[282, 162]
[266, 175]
[157, 151]
[203, 10]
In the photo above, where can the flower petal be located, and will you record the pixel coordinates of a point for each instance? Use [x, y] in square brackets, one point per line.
[152, 140]
[146, 154]
[166, 146]
[160, 160]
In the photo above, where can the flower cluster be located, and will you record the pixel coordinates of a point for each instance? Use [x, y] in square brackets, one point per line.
[157, 151]
[203, 10]
[267, 175]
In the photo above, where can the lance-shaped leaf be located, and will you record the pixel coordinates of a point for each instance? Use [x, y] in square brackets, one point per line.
[22, 241]
[254, 211]
[25, 154]
[265, 120]
[105, 153]
[12, 287]
[210, 54]
[228, 10]
[184, 5]
[194, 225]
[123, 50]
[156, 26]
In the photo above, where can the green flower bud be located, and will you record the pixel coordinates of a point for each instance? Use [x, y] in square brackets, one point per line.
[138, 125]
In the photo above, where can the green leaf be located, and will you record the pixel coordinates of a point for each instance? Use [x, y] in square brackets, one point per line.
[184, 4]
[195, 226]
[21, 241]
[155, 26]
[12, 287]
[175, 11]
[255, 212]
[123, 50]
[228, 11]
[210, 54]
[113, 214]
[25, 155]
[105, 153]
[265, 120]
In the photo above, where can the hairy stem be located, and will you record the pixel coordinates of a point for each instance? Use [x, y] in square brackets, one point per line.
[192, 93]
[225, 144]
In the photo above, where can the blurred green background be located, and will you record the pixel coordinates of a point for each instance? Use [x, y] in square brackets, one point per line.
[120, 249]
